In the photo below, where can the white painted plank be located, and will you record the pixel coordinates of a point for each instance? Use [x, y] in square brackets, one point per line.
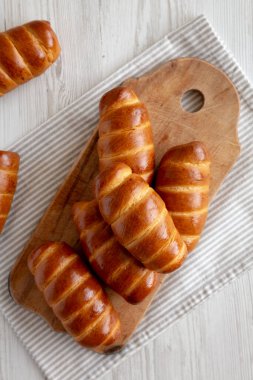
[216, 340]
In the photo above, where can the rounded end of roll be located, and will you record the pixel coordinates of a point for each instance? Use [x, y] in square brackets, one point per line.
[115, 98]
[191, 242]
[194, 152]
[85, 214]
[34, 257]
[9, 160]
[144, 288]
[43, 31]
[110, 178]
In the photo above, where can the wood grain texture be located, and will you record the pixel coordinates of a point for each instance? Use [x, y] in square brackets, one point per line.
[215, 340]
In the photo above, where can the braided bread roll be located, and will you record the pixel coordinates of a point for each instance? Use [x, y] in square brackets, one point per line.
[75, 296]
[113, 264]
[26, 52]
[125, 133]
[183, 183]
[139, 219]
[9, 166]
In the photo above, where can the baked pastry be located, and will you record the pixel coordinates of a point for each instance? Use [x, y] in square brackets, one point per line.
[75, 296]
[9, 166]
[183, 183]
[26, 52]
[139, 219]
[125, 133]
[112, 263]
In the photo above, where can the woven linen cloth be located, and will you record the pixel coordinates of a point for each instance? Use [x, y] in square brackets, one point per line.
[47, 154]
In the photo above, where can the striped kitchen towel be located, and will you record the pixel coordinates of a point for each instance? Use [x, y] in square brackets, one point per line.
[225, 249]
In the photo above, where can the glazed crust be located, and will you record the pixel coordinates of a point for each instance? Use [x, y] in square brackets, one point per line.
[26, 52]
[139, 219]
[125, 133]
[113, 264]
[183, 183]
[75, 296]
[9, 166]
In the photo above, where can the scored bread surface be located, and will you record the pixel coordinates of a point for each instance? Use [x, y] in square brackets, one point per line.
[125, 133]
[183, 183]
[9, 167]
[118, 269]
[139, 219]
[26, 51]
[75, 296]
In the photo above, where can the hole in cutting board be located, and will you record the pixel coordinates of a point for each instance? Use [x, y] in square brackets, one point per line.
[192, 101]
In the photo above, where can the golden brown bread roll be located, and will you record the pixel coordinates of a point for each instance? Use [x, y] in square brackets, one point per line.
[9, 166]
[139, 219]
[26, 52]
[125, 133]
[75, 296]
[113, 264]
[183, 183]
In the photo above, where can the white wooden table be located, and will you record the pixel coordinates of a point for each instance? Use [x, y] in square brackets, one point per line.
[215, 341]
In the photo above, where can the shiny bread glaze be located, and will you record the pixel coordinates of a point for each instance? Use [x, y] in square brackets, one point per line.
[26, 51]
[112, 263]
[75, 296]
[125, 133]
[182, 181]
[9, 167]
[139, 219]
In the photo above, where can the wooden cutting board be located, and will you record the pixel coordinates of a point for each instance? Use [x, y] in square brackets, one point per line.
[161, 90]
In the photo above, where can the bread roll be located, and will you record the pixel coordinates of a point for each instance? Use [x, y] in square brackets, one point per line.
[75, 296]
[26, 52]
[183, 183]
[139, 219]
[125, 133]
[118, 269]
[9, 166]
